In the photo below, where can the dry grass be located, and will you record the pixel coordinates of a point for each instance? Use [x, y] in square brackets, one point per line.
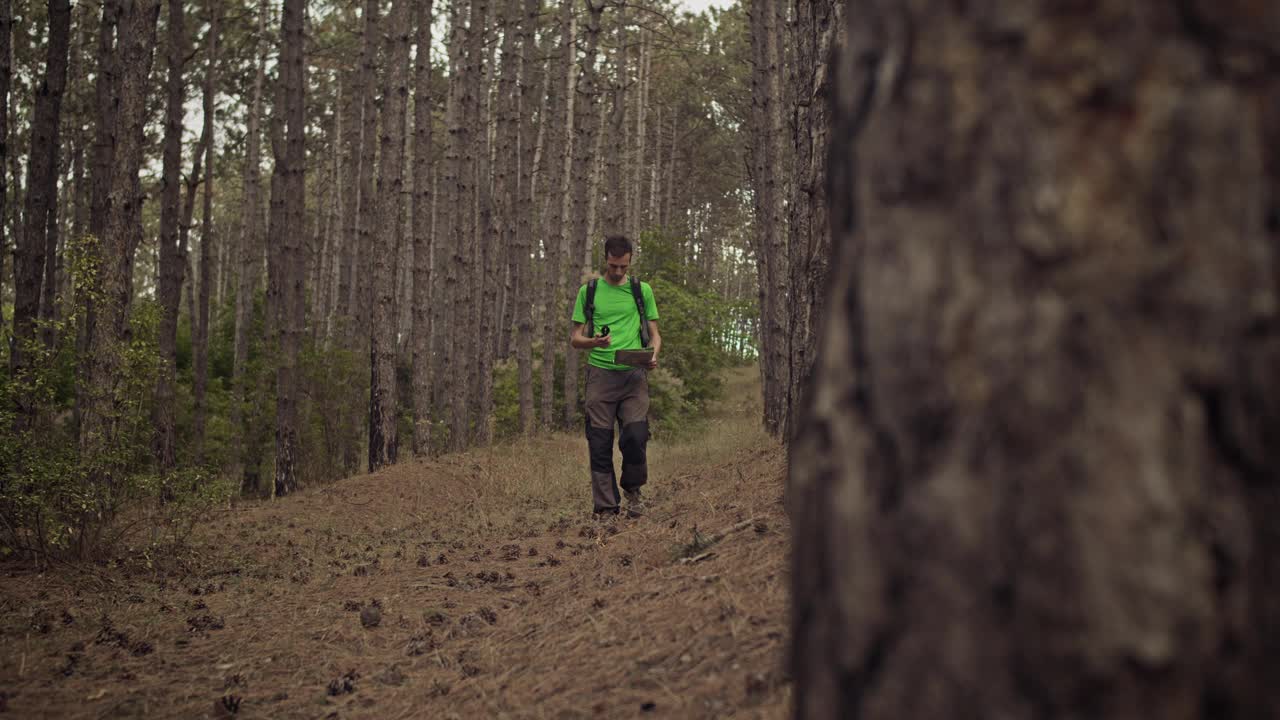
[498, 596]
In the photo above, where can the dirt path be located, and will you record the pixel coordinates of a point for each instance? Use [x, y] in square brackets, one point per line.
[494, 595]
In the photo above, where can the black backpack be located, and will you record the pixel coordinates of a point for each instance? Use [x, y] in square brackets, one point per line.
[589, 309]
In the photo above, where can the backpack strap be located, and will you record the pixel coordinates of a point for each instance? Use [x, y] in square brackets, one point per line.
[638, 294]
[589, 307]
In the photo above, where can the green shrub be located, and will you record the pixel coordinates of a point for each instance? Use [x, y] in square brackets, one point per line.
[506, 393]
[56, 501]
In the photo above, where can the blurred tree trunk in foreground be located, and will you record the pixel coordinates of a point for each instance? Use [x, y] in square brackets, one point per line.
[1037, 476]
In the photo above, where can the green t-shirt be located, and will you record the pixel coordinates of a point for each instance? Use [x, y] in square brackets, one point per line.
[616, 308]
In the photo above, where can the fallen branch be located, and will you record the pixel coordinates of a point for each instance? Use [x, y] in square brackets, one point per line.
[730, 530]
[698, 558]
[694, 551]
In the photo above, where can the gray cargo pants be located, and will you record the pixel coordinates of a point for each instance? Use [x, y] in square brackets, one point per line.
[622, 397]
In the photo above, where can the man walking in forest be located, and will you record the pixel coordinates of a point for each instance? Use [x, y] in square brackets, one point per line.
[617, 320]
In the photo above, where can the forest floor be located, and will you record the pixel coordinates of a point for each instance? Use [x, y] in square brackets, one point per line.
[495, 594]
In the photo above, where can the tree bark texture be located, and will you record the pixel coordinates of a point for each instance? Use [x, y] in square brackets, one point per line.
[1037, 476]
[184, 234]
[173, 252]
[558, 155]
[769, 185]
[531, 84]
[585, 128]
[667, 212]
[502, 136]
[465, 297]
[383, 412]
[451, 222]
[506, 161]
[33, 252]
[422, 234]
[615, 207]
[486, 276]
[368, 208]
[6, 79]
[111, 286]
[349, 181]
[816, 26]
[207, 238]
[292, 261]
[249, 264]
[106, 85]
[506, 166]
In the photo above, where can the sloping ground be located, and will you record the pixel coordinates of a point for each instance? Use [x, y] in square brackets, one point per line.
[493, 591]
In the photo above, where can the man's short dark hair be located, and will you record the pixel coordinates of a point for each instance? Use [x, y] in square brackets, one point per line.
[617, 246]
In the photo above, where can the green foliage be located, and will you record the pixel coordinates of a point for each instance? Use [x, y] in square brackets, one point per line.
[506, 392]
[506, 397]
[693, 320]
[55, 500]
[42, 494]
[332, 409]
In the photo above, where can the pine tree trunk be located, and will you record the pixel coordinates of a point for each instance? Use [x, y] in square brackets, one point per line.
[555, 231]
[485, 267]
[654, 206]
[465, 298]
[290, 171]
[349, 183]
[382, 355]
[110, 287]
[368, 209]
[334, 247]
[506, 168]
[80, 186]
[770, 241]
[248, 268]
[817, 22]
[589, 243]
[451, 227]
[106, 84]
[6, 79]
[404, 293]
[173, 255]
[584, 162]
[189, 269]
[220, 263]
[667, 212]
[531, 84]
[53, 262]
[33, 252]
[207, 239]
[404, 263]
[436, 286]
[423, 196]
[1037, 476]
[636, 172]
[615, 210]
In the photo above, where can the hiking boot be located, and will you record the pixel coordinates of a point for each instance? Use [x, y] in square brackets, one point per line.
[635, 503]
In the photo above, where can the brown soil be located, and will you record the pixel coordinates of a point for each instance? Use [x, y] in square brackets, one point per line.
[473, 586]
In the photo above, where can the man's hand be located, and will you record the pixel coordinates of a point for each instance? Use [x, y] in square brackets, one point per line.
[653, 363]
[602, 342]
